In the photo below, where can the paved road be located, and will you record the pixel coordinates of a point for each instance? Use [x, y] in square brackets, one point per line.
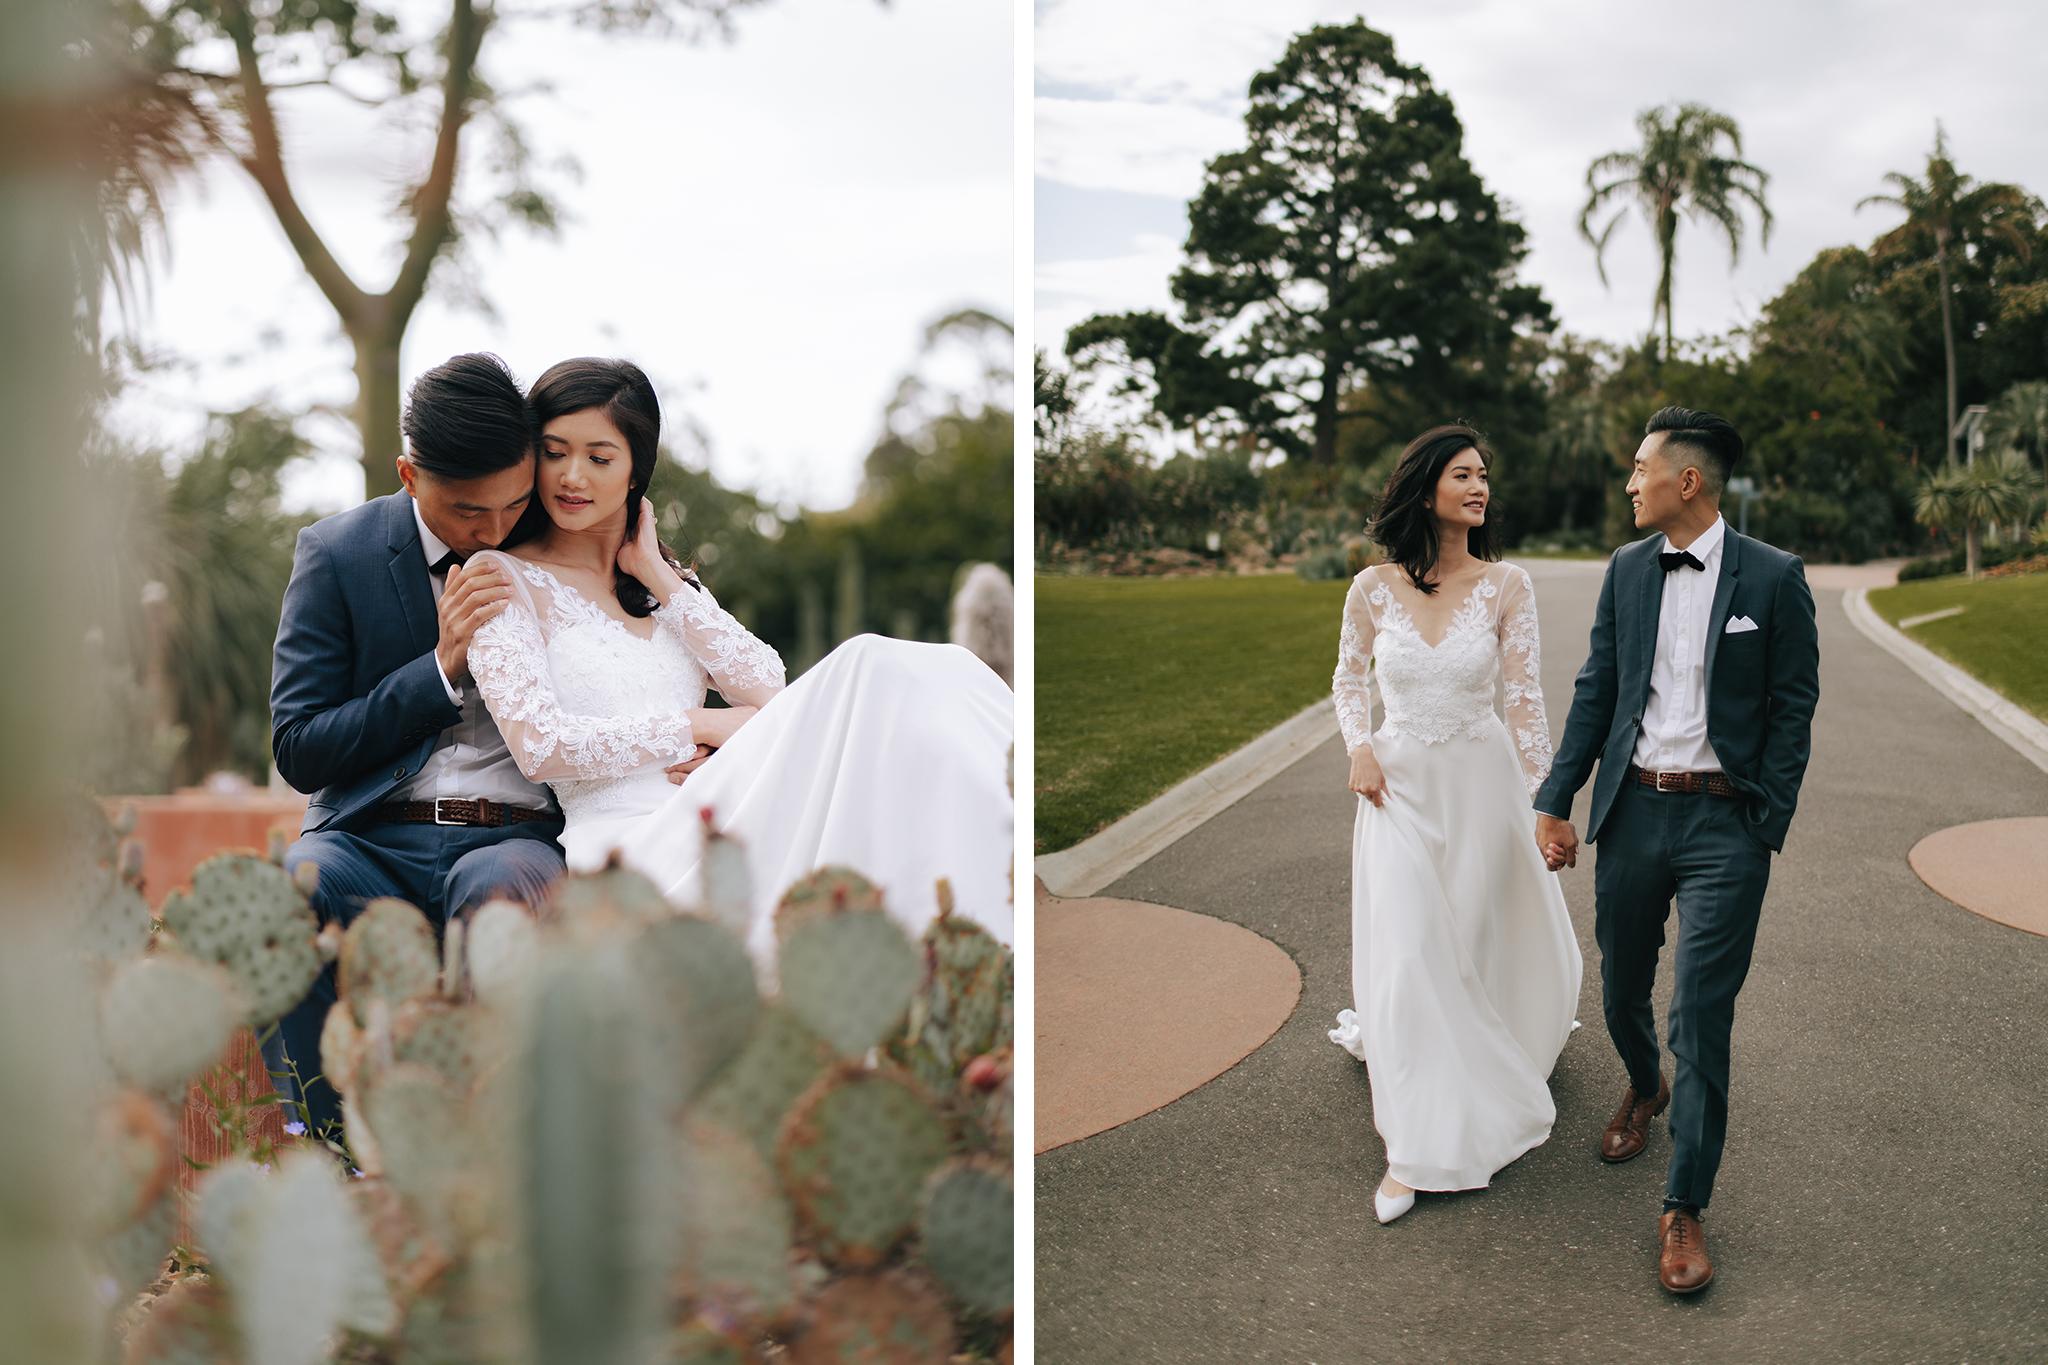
[1882, 1194]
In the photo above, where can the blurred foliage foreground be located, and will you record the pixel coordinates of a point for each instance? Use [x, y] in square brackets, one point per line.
[584, 1140]
[199, 549]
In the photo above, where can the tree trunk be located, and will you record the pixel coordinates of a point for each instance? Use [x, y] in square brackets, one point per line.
[1948, 342]
[1972, 538]
[377, 341]
[1326, 414]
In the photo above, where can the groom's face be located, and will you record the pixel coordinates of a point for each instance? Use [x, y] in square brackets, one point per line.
[1654, 486]
[470, 514]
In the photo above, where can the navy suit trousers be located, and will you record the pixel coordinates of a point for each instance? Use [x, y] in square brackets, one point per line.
[1696, 849]
[442, 869]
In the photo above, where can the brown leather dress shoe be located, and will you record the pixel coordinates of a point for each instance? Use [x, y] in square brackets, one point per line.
[1629, 1131]
[1682, 1264]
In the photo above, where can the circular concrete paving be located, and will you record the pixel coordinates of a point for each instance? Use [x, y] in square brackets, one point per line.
[1994, 868]
[1139, 1004]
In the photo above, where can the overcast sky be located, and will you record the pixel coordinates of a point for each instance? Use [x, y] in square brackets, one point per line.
[1133, 96]
[766, 227]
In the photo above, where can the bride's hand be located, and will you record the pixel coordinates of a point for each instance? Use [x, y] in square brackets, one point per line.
[714, 726]
[641, 558]
[1366, 778]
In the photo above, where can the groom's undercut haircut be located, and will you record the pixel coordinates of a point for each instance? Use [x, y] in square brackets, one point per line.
[466, 419]
[1709, 444]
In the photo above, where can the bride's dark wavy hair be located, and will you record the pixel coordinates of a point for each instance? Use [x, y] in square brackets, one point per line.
[620, 390]
[1405, 528]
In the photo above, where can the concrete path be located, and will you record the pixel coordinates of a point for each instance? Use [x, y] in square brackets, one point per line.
[1882, 1198]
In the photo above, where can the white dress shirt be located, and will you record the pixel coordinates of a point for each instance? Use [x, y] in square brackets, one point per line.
[1674, 734]
[470, 759]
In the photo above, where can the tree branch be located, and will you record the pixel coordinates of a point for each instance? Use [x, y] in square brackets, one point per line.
[265, 164]
[432, 215]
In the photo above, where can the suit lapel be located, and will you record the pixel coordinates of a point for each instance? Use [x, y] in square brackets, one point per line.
[1649, 607]
[409, 575]
[1724, 596]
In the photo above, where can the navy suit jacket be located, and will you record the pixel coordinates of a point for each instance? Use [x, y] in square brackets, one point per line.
[1762, 684]
[356, 701]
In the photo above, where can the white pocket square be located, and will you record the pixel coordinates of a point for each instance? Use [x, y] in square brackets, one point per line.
[1737, 624]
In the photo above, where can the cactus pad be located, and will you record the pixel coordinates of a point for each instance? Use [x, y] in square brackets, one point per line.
[411, 1258]
[166, 1018]
[387, 954]
[822, 892]
[969, 1205]
[134, 1254]
[698, 983]
[248, 915]
[963, 1007]
[614, 890]
[115, 922]
[780, 1061]
[849, 977]
[343, 1050]
[736, 1230]
[444, 1038]
[499, 948]
[892, 1319]
[854, 1153]
[134, 1157]
[421, 1142]
[189, 1325]
[727, 880]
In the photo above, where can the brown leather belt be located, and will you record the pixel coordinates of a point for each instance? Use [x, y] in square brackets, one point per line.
[1713, 784]
[457, 810]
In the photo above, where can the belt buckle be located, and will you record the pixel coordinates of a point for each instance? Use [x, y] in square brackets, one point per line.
[437, 810]
[1671, 782]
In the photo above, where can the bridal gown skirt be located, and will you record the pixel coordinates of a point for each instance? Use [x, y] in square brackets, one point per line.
[1464, 966]
[889, 757]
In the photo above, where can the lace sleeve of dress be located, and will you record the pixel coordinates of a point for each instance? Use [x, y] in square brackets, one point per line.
[1351, 687]
[1521, 668]
[508, 657]
[745, 671]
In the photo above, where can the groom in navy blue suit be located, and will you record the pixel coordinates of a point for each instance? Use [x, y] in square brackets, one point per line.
[373, 711]
[1697, 702]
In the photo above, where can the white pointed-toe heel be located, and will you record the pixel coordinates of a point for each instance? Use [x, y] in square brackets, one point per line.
[1389, 1208]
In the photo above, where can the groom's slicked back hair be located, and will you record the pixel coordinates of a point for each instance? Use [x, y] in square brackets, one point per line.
[466, 419]
[1714, 440]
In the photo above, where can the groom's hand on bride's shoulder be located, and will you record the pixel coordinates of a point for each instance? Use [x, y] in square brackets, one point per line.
[1557, 841]
[473, 596]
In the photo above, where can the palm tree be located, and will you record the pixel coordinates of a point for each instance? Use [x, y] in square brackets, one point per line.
[1998, 488]
[1945, 210]
[2020, 418]
[1679, 167]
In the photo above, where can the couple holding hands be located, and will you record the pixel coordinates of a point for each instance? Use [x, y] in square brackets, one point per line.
[1696, 701]
[501, 670]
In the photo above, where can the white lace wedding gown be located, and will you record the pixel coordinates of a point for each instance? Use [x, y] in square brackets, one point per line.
[1464, 967]
[890, 757]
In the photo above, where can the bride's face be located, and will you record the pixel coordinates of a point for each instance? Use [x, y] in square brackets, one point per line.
[585, 470]
[1461, 491]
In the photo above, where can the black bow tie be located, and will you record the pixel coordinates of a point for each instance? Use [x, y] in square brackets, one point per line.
[1680, 559]
[451, 559]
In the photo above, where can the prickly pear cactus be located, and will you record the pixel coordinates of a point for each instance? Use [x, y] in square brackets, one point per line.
[450, 1040]
[781, 1060]
[249, 916]
[963, 1006]
[728, 883]
[166, 1018]
[889, 1319]
[134, 1157]
[854, 1153]
[421, 1142]
[848, 974]
[500, 948]
[192, 1324]
[967, 1226]
[616, 892]
[698, 984]
[737, 1227]
[388, 954]
[827, 890]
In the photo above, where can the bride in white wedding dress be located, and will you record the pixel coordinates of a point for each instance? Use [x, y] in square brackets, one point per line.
[889, 756]
[1465, 970]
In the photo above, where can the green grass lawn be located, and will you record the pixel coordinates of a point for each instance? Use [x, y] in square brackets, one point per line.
[2000, 637]
[1145, 681]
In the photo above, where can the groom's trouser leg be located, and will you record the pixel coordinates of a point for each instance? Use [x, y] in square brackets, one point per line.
[1722, 874]
[438, 868]
[1632, 890]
